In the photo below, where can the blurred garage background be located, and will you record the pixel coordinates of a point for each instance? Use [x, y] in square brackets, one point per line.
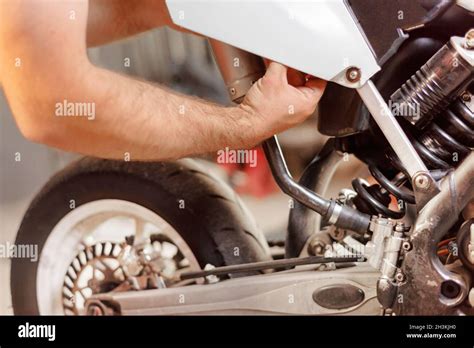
[182, 62]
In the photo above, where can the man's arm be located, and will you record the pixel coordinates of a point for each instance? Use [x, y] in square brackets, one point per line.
[110, 20]
[43, 64]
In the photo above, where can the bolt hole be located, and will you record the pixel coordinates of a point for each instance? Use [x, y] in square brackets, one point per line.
[450, 289]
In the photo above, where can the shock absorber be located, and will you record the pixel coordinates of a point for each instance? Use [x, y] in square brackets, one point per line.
[438, 103]
[437, 83]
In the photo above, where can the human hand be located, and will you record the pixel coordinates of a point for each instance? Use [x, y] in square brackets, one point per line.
[281, 99]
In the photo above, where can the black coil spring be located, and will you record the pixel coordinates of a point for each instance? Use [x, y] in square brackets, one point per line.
[442, 145]
[448, 140]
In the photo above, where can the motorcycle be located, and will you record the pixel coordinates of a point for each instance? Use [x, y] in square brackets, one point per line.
[400, 98]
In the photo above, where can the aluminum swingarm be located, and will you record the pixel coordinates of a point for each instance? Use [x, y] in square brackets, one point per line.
[305, 290]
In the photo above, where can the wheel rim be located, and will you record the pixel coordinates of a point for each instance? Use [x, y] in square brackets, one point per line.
[101, 221]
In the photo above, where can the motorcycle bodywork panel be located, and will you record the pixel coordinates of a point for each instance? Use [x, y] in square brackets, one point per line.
[467, 4]
[317, 37]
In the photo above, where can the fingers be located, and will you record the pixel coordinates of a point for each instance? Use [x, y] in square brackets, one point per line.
[294, 77]
[313, 88]
[310, 94]
[277, 71]
[282, 86]
[283, 98]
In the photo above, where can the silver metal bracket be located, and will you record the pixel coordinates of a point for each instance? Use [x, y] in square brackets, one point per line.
[424, 188]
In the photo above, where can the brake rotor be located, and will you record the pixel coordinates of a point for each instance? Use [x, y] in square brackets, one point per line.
[94, 270]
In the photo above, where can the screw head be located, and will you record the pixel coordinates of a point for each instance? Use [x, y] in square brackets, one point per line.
[466, 97]
[316, 247]
[406, 245]
[453, 247]
[469, 39]
[232, 91]
[400, 227]
[399, 277]
[422, 182]
[353, 74]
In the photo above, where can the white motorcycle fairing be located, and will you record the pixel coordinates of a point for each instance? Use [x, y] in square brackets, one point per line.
[318, 37]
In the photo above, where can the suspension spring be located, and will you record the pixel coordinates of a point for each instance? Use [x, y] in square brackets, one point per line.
[442, 145]
[437, 102]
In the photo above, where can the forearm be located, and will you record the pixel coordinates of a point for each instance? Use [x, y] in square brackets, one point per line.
[141, 121]
[110, 20]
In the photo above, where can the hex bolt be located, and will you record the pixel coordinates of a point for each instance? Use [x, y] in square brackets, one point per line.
[316, 247]
[406, 245]
[400, 227]
[353, 74]
[399, 277]
[469, 44]
[466, 97]
[422, 181]
[338, 234]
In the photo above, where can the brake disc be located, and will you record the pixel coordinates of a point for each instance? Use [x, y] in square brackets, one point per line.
[94, 270]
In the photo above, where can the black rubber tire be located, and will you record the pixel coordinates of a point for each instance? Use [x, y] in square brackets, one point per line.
[213, 223]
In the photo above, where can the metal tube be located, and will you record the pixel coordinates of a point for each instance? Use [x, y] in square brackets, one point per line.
[339, 215]
[457, 190]
[287, 183]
